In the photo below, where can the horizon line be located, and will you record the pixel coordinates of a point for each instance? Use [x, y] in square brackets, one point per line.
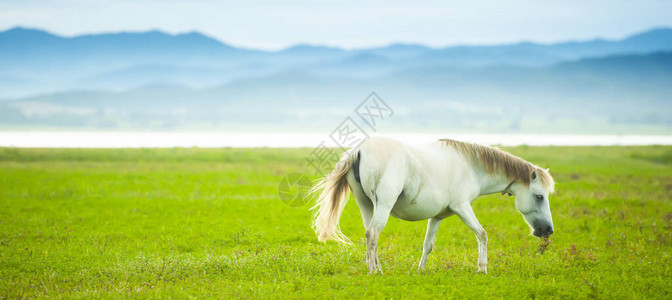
[318, 45]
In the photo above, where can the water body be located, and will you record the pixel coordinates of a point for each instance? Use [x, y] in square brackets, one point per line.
[282, 140]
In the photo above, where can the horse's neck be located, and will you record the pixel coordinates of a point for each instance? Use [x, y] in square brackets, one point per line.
[492, 183]
[487, 183]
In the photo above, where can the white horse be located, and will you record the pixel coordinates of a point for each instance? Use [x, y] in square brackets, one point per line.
[432, 182]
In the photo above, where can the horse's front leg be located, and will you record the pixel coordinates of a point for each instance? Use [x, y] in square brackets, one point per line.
[430, 236]
[466, 213]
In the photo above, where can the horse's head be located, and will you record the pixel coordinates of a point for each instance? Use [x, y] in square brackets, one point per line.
[532, 202]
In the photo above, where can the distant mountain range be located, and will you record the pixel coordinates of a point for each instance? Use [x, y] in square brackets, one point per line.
[37, 61]
[157, 80]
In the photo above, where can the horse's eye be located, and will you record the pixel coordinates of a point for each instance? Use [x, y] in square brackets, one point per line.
[540, 197]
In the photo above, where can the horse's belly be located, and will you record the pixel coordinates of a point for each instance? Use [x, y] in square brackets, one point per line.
[418, 208]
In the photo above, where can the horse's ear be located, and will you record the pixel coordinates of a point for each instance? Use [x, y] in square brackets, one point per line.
[534, 176]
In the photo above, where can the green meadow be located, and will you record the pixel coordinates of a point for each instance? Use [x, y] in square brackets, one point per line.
[208, 223]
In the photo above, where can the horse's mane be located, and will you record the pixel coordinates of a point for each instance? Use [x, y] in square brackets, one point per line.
[495, 160]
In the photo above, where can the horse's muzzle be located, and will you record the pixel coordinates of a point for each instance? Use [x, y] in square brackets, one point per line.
[542, 229]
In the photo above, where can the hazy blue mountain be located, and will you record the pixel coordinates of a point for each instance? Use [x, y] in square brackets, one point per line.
[120, 61]
[36, 54]
[357, 66]
[26, 48]
[534, 55]
[399, 51]
[650, 41]
[643, 66]
[524, 54]
[596, 94]
[310, 51]
[192, 76]
[20, 43]
[158, 80]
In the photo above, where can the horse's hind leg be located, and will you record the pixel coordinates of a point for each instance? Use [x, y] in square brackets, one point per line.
[430, 236]
[383, 196]
[382, 182]
[366, 208]
[381, 214]
[363, 201]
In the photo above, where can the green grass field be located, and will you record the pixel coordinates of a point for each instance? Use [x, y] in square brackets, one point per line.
[181, 223]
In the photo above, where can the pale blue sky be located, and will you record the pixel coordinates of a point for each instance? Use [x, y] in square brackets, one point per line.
[347, 23]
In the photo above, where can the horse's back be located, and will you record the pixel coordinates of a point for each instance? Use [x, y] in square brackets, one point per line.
[427, 175]
[383, 148]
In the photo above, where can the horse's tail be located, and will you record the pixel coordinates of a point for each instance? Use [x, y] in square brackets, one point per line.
[335, 192]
